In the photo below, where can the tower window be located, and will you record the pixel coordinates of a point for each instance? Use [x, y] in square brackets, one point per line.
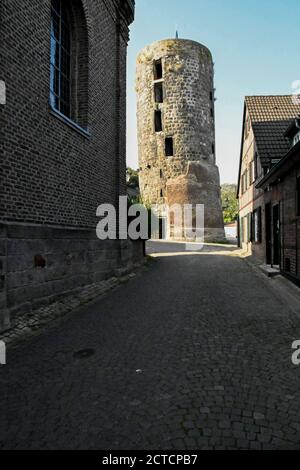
[158, 121]
[211, 96]
[169, 148]
[161, 173]
[161, 193]
[159, 92]
[158, 71]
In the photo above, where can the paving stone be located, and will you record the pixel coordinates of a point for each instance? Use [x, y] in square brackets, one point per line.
[205, 410]
[52, 400]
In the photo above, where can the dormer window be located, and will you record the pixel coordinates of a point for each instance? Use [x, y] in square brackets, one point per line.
[293, 132]
[296, 138]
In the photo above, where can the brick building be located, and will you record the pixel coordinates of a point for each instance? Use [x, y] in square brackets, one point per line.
[282, 192]
[264, 144]
[62, 145]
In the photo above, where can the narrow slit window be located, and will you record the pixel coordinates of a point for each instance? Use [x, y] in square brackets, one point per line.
[158, 121]
[158, 71]
[159, 93]
[169, 148]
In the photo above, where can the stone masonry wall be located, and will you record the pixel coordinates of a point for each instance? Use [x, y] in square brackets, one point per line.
[46, 263]
[187, 117]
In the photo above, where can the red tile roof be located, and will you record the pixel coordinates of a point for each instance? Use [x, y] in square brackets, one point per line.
[270, 117]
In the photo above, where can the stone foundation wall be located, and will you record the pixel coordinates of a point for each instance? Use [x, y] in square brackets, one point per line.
[40, 265]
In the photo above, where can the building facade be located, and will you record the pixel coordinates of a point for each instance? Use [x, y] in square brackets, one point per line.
[62, 145]
[176, 129]
[281, 188]
[264, 144]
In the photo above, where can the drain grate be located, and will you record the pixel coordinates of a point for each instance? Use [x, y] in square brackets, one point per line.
[83, 353]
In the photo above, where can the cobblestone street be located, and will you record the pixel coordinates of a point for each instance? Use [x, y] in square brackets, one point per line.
[193, 353]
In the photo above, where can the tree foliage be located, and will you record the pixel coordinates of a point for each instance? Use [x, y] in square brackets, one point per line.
[132, 178]
[230, 203]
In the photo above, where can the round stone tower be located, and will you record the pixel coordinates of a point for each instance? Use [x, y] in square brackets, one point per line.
[176, 129]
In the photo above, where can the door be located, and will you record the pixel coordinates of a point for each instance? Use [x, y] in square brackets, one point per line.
[276, 234]
[268, 234]
[162, 228]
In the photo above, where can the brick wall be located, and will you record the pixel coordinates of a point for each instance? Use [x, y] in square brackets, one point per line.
[53, 175]
[290, 253]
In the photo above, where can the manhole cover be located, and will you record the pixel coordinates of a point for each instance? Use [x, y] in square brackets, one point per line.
[84, 353]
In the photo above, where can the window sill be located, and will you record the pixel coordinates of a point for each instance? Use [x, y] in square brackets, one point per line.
[54, 112]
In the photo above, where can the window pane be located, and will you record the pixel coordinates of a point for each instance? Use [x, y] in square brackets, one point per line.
[65, 63]
[65, 37]
[56, 5]
[54, 101]
[65, 90]
[54, 52]
[64, 13]
[54, 80]
[55, 26]
[65, 108]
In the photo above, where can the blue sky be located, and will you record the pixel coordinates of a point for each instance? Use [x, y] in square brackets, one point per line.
[255, 46]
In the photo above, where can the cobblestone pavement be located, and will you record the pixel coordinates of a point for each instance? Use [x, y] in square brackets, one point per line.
[193, 353]
[33, 322]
